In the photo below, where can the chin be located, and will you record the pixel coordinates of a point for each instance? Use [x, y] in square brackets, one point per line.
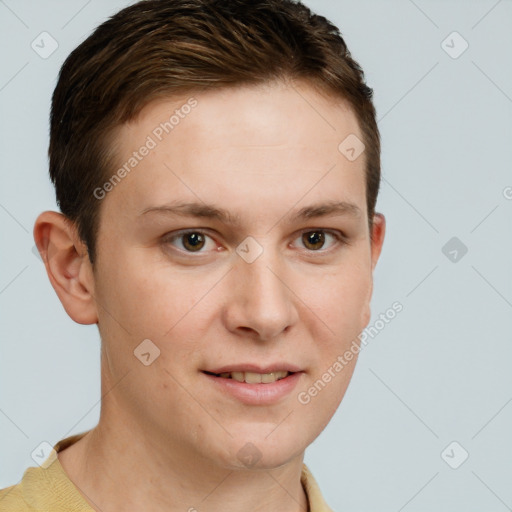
[260, 451]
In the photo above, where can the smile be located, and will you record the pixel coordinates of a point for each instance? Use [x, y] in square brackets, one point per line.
[252, 377]
[265, 387]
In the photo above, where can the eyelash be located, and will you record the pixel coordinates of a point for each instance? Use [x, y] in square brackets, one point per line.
[340, 238]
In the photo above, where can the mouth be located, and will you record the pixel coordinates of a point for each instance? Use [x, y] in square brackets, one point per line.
[255, 385]
[253, 377]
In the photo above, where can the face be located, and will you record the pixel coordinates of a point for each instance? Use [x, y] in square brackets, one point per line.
[238, 245]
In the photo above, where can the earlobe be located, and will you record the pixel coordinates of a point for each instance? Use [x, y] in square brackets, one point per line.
[67, 265]
[367, 313]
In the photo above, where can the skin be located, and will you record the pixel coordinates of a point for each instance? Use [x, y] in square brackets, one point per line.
[167, 438]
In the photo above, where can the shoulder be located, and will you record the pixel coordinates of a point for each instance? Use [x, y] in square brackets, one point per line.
[32, 493]
[45, 487]
[11, 500]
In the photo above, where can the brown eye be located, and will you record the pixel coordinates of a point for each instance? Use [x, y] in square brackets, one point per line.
[313, 239]
[193, 241]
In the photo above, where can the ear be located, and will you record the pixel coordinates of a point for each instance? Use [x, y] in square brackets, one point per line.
[67, 264]
[377, 237]
[376, 242]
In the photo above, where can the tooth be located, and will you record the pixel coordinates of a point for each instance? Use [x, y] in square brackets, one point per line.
[266, 378]
[255, 378]
[252, 378]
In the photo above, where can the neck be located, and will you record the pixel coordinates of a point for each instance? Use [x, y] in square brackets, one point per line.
[118, 466]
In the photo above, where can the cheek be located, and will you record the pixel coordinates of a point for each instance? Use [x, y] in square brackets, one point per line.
[150, 299]
[342, 311]
[341, 302]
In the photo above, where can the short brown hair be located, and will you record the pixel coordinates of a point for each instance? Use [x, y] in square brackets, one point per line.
[161, 48]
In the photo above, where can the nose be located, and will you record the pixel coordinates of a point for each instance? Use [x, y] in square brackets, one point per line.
[261, 302]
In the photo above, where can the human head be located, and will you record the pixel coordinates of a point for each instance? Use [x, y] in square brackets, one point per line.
[163, 48]
[258, 150]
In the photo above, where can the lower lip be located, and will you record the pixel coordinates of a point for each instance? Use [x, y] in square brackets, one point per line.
[257, 394]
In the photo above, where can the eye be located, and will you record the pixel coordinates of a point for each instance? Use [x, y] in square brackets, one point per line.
[315, 240]
[190, 241]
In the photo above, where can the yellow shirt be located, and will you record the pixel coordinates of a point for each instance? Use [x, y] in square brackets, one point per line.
[48, 489]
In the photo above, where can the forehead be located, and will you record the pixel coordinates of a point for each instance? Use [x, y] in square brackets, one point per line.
[278, 142]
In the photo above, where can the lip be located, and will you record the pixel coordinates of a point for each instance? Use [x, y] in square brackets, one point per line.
[255, 394]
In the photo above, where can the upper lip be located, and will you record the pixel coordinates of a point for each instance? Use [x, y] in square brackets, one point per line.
[250, 367]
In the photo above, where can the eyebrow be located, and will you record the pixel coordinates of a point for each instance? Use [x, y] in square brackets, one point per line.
[210, 211]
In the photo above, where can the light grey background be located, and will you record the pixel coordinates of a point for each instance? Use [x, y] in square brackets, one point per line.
[439, 372]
